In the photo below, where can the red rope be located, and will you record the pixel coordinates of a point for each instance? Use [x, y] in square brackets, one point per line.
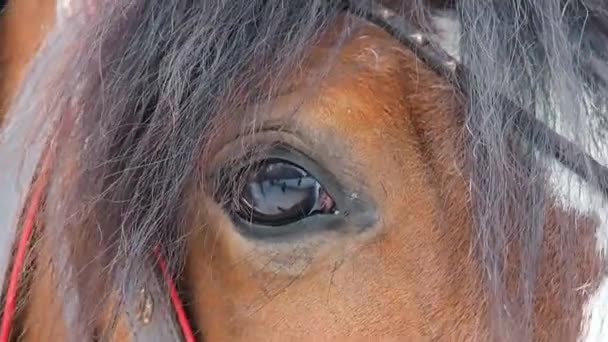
[26, 236]
[182, 317]
[17, 270]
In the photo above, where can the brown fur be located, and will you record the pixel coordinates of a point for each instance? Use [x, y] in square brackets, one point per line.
[383, 120]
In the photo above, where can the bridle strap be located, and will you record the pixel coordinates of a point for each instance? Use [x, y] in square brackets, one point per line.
[176, 301]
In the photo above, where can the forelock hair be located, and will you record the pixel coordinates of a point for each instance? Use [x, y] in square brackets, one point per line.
[549, 58]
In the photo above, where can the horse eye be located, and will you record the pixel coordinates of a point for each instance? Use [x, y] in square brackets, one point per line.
[276, 192]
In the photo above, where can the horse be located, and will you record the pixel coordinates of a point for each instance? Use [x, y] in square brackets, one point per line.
[325, 170]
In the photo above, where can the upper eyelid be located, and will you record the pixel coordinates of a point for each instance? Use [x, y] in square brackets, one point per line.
[337, 164]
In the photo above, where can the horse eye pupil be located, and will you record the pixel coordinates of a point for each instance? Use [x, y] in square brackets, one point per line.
[278, 192]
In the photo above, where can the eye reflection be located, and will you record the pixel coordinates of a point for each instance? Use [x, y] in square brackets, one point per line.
[277, 192]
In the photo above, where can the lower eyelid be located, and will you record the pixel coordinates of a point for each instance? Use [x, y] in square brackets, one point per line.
[303, 228]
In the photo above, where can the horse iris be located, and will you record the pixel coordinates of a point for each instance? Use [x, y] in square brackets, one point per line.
[278, 192]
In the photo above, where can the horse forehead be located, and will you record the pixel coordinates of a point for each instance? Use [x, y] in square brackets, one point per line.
[371, 45]
[374, 50]
[369, 72]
